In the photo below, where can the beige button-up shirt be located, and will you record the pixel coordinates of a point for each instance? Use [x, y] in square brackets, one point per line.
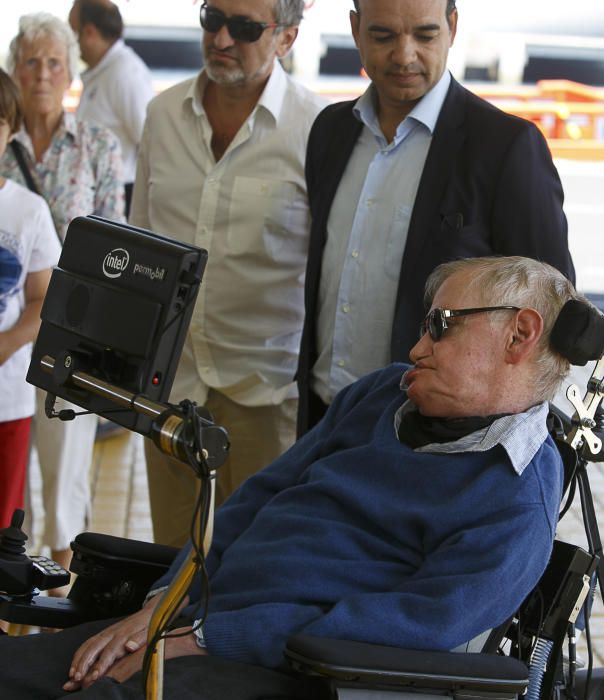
[249, 210]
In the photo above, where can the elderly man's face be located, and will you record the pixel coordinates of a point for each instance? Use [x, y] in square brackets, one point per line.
[459, 375]
[231, 62]
[403, 46]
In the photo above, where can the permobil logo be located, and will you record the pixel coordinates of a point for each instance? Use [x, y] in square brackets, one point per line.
[115, 262]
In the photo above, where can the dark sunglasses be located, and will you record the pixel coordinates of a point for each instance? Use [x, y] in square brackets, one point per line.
[436, 324]
[213, 20]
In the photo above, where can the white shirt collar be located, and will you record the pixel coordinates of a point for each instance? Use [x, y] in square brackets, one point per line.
[271, 99]
[426, 111]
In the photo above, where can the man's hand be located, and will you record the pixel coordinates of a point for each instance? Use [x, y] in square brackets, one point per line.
[99, 653]
[130, 660]
[178, 646]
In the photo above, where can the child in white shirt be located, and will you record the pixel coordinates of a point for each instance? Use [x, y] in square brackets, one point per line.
[29, 248]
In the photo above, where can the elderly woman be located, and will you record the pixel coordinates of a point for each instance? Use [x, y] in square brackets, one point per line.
[76, 167]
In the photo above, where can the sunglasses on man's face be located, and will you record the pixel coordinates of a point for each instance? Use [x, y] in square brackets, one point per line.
[436, 324]
[240, 29]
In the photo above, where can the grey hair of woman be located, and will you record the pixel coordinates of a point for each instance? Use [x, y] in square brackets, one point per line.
[44, 25]
[289, 12]
[525, 283]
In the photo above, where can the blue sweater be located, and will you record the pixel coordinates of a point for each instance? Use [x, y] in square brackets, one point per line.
[353, 535]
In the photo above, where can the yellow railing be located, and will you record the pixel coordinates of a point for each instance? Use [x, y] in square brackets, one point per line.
[570, 115]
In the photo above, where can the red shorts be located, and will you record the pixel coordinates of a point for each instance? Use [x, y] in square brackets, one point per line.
[14, 448]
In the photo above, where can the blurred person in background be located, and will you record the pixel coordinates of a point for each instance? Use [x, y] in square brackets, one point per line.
[77, 167]
[117, 86]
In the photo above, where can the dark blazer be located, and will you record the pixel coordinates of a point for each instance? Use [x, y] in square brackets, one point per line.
[488, 187]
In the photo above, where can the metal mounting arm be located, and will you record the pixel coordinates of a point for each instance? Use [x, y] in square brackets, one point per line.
[171, 429]
[583, 420]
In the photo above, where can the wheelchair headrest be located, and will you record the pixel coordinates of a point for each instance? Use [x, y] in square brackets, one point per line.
[578, 333]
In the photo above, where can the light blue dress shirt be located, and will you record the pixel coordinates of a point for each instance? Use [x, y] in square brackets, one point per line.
[366, 236]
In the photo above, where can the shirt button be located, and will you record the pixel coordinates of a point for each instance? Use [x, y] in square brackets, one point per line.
[355, 253]
[345, 308]
[341, 363]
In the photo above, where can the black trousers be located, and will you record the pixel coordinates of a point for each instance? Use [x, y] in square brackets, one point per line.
[35, 667]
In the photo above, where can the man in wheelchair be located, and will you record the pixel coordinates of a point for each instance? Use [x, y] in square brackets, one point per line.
[418, 513]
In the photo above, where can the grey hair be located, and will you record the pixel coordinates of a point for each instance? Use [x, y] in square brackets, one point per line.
[43, 24]
[289, 12]
[525, 283]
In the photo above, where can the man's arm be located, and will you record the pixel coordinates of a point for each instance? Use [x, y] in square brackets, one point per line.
[473, 581]
[235, 515]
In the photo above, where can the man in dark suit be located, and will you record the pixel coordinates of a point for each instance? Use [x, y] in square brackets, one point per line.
[416, 172]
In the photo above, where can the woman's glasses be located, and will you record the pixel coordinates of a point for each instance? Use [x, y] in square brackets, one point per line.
[213, 20]
[435, 322]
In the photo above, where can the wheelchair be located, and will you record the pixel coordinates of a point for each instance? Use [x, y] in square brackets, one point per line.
[531, 655]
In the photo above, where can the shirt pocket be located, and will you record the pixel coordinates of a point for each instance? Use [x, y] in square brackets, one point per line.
[268, 217]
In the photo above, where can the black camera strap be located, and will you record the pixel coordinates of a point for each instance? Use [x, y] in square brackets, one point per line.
[19, 154]
[17, 150]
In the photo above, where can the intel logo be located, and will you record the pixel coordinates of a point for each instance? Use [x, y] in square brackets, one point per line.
[115, 262]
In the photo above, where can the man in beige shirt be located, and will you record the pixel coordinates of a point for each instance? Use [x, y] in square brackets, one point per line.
[221, 166]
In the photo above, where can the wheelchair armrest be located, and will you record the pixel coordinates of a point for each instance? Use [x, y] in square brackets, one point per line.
[119, 552]
[115, 574]
[367, 665]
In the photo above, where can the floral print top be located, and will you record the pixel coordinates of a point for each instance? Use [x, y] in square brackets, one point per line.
[79, 174]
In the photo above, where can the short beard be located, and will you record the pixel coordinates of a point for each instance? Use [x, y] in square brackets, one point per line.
[225, 76]
[234, 75]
